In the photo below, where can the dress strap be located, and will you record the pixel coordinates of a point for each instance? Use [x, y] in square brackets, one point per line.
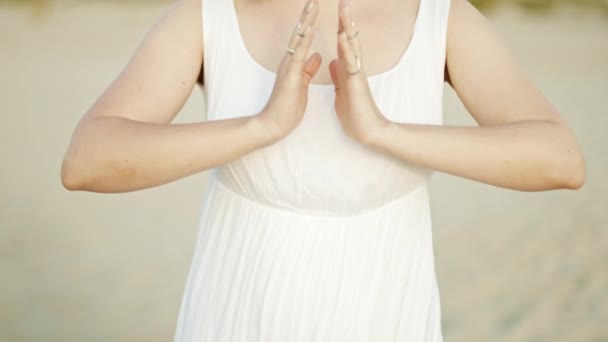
[220, 33]
[440, 25]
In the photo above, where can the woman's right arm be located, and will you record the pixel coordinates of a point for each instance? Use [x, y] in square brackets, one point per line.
[125, 141]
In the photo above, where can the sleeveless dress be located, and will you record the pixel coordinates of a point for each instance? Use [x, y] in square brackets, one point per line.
[316, 237]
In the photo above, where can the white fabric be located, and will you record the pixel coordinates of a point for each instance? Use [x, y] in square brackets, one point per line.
[316, 237]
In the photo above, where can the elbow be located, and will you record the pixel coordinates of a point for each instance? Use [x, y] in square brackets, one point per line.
[76, 171]
[71, 178]
[569, 174]
[567, 166]
[85, 165]
[85, 174]
[578, 177]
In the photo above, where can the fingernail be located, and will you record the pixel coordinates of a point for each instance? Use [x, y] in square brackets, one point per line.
[309, 6]
[346, 10]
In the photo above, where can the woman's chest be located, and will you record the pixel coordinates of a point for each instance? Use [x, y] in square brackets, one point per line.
[385, 31]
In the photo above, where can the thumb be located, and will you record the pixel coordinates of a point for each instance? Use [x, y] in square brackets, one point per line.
[333, 71]
[311, 66]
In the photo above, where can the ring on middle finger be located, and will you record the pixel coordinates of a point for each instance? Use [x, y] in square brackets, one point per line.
[298, 30]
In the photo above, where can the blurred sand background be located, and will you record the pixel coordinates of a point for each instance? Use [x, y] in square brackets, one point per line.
[77, 266]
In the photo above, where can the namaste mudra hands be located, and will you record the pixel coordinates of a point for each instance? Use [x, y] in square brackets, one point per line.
[358, 114]
[356, 109]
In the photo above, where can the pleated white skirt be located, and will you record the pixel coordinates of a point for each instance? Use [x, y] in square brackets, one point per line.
[267, 274]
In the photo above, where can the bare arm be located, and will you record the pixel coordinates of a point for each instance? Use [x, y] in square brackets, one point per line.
[115, 154]
[125, 141]
[521, 143]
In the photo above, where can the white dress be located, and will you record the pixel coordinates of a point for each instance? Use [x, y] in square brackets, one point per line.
[316, 237]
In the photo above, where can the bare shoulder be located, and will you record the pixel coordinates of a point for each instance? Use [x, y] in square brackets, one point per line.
[160, 75]
[485, 75]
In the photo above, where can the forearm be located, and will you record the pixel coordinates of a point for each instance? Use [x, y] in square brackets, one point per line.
[113, 154]
[525, 155]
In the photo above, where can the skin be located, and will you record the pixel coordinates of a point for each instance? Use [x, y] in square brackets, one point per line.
[126, 141]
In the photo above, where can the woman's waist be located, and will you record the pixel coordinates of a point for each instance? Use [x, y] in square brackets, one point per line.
[328, 196]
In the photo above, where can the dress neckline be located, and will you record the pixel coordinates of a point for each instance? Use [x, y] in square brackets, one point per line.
[401, 61]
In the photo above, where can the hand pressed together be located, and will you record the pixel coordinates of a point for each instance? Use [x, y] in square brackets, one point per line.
[356, 109]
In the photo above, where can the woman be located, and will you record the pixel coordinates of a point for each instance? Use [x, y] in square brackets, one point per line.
[316, 223]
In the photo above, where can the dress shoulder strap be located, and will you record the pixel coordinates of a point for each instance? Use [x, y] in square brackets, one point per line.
[441, 11]
[218, 25]
[220, 49]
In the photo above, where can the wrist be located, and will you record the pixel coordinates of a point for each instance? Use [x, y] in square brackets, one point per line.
[377, 134]
[266, 132]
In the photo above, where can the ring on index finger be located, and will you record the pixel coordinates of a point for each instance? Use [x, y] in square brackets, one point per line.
[298, 30]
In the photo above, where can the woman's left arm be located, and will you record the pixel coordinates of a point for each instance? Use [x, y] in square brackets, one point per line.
[521, 143]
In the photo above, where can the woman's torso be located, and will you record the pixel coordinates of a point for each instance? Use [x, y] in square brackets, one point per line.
[317, 168]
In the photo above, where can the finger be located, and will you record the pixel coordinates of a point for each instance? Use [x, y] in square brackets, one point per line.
[307, 18]
[340, 23]
[348, 25]
[346, 55]
[308, 7]
[304, 45]
[311, 67]
[333, 72]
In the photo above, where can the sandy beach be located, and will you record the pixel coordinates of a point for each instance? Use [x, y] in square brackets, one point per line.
[77, 266]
